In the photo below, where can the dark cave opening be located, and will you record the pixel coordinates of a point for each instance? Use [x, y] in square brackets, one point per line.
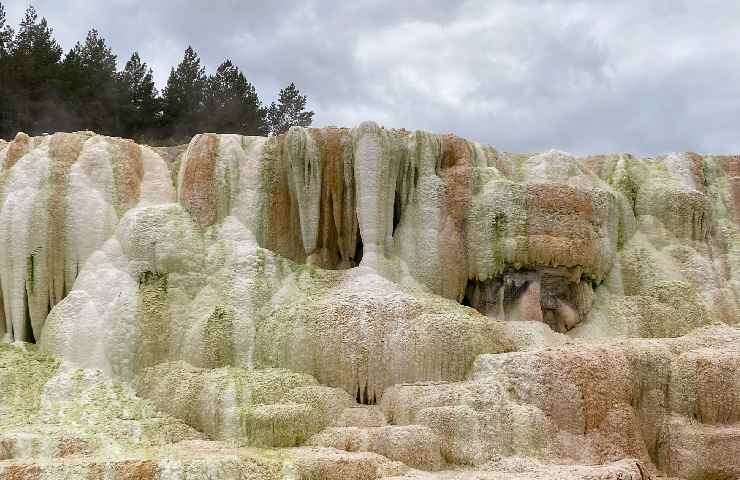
[466, 302]
[30, 337]
[396, 211]
[359, 249]
[553, 296]
[363, 398]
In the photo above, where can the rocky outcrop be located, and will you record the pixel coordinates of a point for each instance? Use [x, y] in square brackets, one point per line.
[665, 402]
[50, 410]
[366, 303]
[62, 196]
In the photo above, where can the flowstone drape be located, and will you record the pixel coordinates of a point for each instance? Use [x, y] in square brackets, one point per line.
[382, 300]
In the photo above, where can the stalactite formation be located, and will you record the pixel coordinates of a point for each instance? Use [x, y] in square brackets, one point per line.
[386, 303]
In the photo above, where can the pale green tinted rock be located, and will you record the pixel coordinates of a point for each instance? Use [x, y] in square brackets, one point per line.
[319, 284]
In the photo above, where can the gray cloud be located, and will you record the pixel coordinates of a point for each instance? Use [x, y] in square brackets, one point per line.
[583, 76]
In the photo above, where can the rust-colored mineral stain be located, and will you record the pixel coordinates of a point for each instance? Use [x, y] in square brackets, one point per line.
[734, 186]
[697, 169]
[71, 446]
[503, 164]
[22, 472]
[457, 167]
[64, 150]
[559, 225]
[20, 146]
[6, 445]
[457, 170]
[717, 398]
[128, 173]
[282, 224]
[588, 369]
[135, 470]
[199, 195]
[327, 237]
[337, 227]
[597, 164]
[730, 166]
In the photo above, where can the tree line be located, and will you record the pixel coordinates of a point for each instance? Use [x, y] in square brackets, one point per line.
[44, 91]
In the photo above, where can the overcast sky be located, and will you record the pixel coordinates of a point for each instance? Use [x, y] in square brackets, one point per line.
[642, 76]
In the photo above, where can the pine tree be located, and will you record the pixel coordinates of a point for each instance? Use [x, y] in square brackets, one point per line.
[139, 106]
[289, 111]
[6, 34]
[6, 38]
[232, 104]
[183, 99]
[32, 71]
[90, 84]
[41, 93]
[36, 44]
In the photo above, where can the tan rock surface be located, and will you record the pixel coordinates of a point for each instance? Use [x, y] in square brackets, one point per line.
[365, 303]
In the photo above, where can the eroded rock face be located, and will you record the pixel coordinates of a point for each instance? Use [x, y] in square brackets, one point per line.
[368, 303]
[558, 297]
[656, 401]
[62, 196]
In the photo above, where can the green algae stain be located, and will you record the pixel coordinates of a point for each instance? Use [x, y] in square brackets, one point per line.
[499, 230]
[218, 337]
[225, 195]
[23, 375]
[30, 274]
[267, 175]
[153, 320]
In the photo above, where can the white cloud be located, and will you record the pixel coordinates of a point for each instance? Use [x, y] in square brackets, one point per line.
[584, 76]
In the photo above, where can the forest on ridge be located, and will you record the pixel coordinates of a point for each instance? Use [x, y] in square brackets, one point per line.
[43, 90]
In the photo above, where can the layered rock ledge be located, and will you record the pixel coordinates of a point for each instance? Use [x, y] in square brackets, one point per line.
[365, 303]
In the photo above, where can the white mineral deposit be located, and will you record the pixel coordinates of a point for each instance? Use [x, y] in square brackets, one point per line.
[365, 303]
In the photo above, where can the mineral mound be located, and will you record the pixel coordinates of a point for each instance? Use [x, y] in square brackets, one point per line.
[363, 304]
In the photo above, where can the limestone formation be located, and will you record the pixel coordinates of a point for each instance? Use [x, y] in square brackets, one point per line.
[365, 303]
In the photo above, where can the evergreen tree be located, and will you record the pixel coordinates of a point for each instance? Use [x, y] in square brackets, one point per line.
[139, 106]
[41, 93]
[90, 84]
[289, 111]
[6, 34]
[6, 39]
[232, 104]
[31, 72]
[183, 99]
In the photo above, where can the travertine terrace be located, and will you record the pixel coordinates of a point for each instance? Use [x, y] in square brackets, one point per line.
[362, 304]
